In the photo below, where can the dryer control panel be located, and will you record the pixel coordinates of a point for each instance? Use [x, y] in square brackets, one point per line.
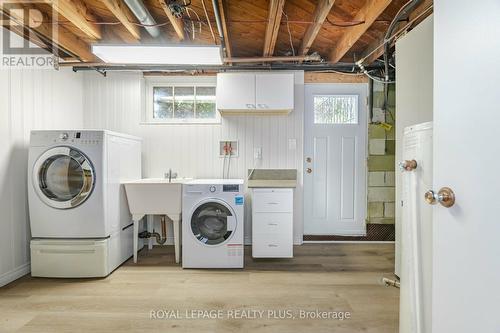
[231, 188]
[49, 137]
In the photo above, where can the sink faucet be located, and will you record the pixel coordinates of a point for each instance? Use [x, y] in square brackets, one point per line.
[170, 175]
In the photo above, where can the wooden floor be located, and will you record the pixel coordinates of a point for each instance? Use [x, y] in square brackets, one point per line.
[329, 277]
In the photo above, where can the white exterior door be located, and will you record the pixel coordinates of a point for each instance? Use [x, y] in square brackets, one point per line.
[335, 159]
[466, 245]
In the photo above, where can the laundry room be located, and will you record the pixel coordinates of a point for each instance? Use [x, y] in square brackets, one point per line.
[267, 166]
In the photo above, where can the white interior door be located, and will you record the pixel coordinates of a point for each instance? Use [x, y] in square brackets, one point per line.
[335, 159]
[466, 245]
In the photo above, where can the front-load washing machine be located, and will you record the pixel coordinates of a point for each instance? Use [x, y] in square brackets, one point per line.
[212, 223]
[79, 218]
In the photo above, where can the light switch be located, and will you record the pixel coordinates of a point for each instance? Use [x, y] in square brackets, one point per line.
[257, 153]
[292, 144]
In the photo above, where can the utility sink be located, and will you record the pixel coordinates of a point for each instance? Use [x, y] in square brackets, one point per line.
[272, 178]
[155, 196]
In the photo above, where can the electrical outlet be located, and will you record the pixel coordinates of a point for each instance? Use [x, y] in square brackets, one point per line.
[292, 144]
[257, 153]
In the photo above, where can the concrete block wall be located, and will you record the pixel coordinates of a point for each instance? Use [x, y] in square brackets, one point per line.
[381, 159]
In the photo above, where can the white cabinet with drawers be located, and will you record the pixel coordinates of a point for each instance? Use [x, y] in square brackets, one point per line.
[272, 223]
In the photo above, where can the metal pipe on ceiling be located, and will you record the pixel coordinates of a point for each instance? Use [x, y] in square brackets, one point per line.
[218, 22]
[144, 16]
[311, 58]
[346, 68]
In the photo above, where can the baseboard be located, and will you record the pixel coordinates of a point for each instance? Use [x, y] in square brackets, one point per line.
[14, 274]
[374, 232]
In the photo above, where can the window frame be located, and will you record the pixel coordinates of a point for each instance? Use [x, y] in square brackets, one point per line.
[177, 81]
[337, 124]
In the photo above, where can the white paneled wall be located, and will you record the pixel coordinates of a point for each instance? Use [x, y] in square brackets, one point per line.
[115, 102]
[29, 99]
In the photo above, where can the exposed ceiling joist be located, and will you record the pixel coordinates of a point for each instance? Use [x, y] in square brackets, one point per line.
[223, 11]
[123, 14]
[273, 26]
[77, 13]
[368, 13]
[320, 13]
[63, 38]
[176, 22]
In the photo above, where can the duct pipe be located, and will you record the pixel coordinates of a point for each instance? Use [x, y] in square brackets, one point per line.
[218, 21]
[141, 12]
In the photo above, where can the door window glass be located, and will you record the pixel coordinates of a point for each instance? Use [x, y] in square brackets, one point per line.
[209, 223]
[336, 109]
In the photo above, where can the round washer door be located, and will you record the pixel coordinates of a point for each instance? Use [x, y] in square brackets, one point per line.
[63, 177]
[213, 222]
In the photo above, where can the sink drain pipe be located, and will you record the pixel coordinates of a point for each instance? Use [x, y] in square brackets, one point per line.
[160, 239]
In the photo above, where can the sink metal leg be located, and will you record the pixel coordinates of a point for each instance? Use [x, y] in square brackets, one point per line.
[177, 239]
[136, 219]
[136, 239]
[150, 220]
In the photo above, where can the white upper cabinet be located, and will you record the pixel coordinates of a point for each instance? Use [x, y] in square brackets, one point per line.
[274, 91]
[255, 93]
[236, 91]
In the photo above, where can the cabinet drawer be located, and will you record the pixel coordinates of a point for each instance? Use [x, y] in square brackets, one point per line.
[272, 223]
[269, 246]
[272, 201]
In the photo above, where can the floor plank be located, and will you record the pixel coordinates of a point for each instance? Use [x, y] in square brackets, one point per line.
[324, 277]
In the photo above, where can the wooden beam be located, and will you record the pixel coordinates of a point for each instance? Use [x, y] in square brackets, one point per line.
[77, 13]
[320, 13]
[313, 77]
[123, 14]
[273, 26]
[369, 13]
[60, 36]
[223, 10]
[177, 23]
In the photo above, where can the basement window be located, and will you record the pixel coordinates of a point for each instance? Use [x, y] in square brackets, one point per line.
[336, 109]
[180, 100]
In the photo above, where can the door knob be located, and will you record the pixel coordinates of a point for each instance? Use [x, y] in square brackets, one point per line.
[309, 170]
[445, 196]
[308, 160]
[408, 165]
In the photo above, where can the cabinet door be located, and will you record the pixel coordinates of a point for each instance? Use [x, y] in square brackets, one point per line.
[235, 91]
[274, 91]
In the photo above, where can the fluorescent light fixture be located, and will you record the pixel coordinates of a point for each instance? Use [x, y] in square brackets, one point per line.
[159, 55]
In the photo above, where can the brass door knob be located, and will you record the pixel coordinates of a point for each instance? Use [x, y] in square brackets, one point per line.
[408, 165]
[309, 170]
[445, 196]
